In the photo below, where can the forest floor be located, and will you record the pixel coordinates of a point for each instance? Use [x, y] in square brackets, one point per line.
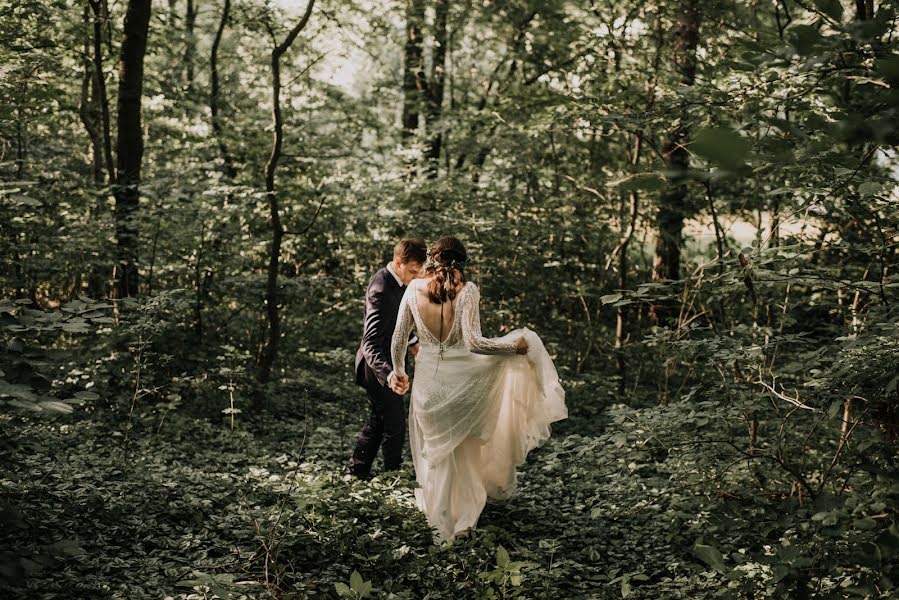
[180, 505]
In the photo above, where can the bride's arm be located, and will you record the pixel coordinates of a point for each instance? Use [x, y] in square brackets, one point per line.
[399, 341]
[471, 328]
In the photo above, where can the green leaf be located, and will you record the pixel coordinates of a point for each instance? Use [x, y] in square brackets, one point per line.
[356, 582]
[721, 146]
[220, 591]
[804, 38]
[835, 407]
[641, 181]
[869, 188]
[609, 298]
[831, 8]
[864, 524]
[888, 68]
[65, 547]
[56, 406]
[502, 557]
[710, 556]
[25, 201]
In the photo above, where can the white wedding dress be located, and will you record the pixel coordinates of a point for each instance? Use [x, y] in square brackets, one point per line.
[477, 409]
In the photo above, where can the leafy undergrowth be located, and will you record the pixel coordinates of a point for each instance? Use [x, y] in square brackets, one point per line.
[184, 507]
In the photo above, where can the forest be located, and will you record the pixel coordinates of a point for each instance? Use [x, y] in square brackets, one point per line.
[693, 202]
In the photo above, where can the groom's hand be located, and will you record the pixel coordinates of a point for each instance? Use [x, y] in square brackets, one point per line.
[415, 348]
[401, 384]
[398, 383]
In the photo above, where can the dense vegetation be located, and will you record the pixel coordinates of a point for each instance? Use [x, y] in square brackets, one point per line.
[694, 204]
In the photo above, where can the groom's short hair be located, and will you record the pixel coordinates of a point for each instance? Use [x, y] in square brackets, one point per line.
[411, 250]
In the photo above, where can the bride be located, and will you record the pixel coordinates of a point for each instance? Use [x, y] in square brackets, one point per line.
[479, 405]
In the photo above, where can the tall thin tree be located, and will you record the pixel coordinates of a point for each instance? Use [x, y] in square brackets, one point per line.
[436, 88]
[414, 80]
[672, 202]
[215, 92]
[272, 297]
[130, 144]
[190, 42]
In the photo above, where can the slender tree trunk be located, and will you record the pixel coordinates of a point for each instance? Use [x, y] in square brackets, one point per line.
[215, 93]
[623, 267]
[21, 138]
[414, 81]
[719, 248]
[634, 212]
[101, 17]
[436, 90]
[514, 47]
[672, 203]
[190, 20]
[130, 144]
[270, 350]
[88, 109]
[484, 151]
[864, 10]
[18, 260]
[198, 295]
[90, 113]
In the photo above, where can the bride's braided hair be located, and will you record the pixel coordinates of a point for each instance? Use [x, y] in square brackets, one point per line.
[445, 267]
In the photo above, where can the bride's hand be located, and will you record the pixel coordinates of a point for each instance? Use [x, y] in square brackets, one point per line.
[400, 384]
[522, 346]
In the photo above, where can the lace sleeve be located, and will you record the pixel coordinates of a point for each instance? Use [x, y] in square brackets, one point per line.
[399, 342]
[471, 328]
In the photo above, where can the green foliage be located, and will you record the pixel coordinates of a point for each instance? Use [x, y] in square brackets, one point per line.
[34, 376]
[356, 590]
[722, 146]
[506, 575]
[734, 438]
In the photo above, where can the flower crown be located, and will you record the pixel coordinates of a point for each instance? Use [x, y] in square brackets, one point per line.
[453, 264]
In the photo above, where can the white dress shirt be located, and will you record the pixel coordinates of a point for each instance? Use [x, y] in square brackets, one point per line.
[395, 276]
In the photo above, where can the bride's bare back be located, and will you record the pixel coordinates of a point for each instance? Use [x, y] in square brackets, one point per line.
[431, 313]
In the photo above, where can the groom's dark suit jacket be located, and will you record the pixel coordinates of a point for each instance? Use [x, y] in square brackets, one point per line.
[382, 302]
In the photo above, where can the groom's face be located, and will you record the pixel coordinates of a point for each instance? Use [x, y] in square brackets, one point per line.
[408, 271]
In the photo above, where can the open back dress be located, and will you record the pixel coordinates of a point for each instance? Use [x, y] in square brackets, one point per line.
[477, 408]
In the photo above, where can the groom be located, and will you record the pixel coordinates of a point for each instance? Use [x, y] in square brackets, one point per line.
[386, 426]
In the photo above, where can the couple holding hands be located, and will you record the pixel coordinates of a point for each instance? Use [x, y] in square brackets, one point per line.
[478, 404]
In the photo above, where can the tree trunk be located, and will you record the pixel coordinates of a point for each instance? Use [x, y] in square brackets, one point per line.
[190, 20]
[88, 107]
[94, 112]
[633, 215]
[101, 16]
[414, 84]
[436, 89]
[672, 203]
[21, 137]
[270, 351]
[514, 47]
[130, 144]
[864, 10]
[215, 93]
[623, 267]
[198, 284]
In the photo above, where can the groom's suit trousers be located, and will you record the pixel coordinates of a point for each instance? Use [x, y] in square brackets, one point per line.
[385, 428]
